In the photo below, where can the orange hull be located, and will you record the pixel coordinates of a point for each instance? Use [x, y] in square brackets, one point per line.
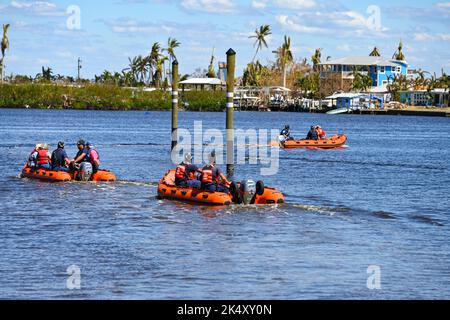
[331, 143]
[168, 190]
[60, 176]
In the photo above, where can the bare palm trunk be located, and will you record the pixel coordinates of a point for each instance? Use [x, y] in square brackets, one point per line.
[256, 53]
[1, 71]
[284, 76]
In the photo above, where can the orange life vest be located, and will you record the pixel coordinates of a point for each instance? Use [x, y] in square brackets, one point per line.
[320, 133]
[42, 157]
[180, 173]
[207, 174]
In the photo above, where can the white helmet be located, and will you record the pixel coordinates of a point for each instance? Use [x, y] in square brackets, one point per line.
[188, 158]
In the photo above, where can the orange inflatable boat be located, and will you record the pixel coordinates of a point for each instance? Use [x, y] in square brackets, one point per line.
[330, 143]
[60, 176]
[168, 190]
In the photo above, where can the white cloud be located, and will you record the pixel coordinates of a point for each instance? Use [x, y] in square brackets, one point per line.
[295, 4]
[344, 47]
[38, 8]
[443, 5]
[444, 36]
[424, 36]
[209, 6]
[130, 26]
[291, 25]
[262, 4]
[43, 61]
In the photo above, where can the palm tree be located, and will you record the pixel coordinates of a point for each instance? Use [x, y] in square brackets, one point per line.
[132, 68]
[47, 74]
[253, 74]
[159, 70]
[260, 35]
[211, 72]
[398, 55]
[421, 80]
[284, 56]
[172, 44]
[375, 53]
[153, 59]
[316, 58]
[4, 47]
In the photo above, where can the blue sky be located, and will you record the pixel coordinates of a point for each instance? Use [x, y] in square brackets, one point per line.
[112, 31]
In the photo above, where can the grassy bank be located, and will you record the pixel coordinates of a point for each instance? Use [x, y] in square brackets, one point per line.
[103, 97]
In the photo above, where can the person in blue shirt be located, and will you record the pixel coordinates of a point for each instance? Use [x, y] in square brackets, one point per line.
[60, 160]
[82, 154]
[285, 134]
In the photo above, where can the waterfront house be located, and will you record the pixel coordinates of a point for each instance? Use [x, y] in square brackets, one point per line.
[338, 74]
[356, 101]
[436, 97]
[203, 84]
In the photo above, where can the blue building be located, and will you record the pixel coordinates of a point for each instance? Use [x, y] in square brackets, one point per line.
[381, 70]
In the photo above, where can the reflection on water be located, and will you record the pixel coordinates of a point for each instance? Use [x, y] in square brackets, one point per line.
[383, 201]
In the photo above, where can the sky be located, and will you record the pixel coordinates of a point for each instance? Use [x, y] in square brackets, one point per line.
[105, 33]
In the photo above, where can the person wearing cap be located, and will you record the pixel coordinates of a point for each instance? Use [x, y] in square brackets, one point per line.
[185, 174]
[60, 160]
[212, 177]
[82, 154]
[93, 157]
[285, 134]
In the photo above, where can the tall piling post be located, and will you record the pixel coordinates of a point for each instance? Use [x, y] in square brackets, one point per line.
[231, 66]
[174, 104]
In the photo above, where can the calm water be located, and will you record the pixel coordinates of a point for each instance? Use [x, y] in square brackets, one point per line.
[382, 201]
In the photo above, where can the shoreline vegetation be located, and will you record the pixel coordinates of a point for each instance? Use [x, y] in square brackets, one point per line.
[104, 97]
[101, 97]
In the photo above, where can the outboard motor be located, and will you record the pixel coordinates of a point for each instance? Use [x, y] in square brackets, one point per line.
[248, 191]
[85, 172]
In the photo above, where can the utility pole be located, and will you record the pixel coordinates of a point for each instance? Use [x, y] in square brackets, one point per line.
[79, 68]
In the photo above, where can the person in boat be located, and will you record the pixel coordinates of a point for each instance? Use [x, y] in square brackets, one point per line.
[60, 160]
[82, 153]
[81, 162]
[43, 159]
[33, 156]
[312, 134]
[186, 174]
[212, 178]
[285, 134]
[321, 133]
[93, 157]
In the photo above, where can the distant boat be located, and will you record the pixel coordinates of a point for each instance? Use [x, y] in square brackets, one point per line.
[338, 111]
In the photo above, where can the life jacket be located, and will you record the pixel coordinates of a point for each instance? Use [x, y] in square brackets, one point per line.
[42, 157]
[208, 174]
[314, 135]
[94, 157]
[180, 173]
[320, 133]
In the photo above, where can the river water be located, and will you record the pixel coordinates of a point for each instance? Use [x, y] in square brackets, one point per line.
[380, 204]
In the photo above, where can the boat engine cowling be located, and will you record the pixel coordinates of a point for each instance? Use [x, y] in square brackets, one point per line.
[247, 191]
[85, 172]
